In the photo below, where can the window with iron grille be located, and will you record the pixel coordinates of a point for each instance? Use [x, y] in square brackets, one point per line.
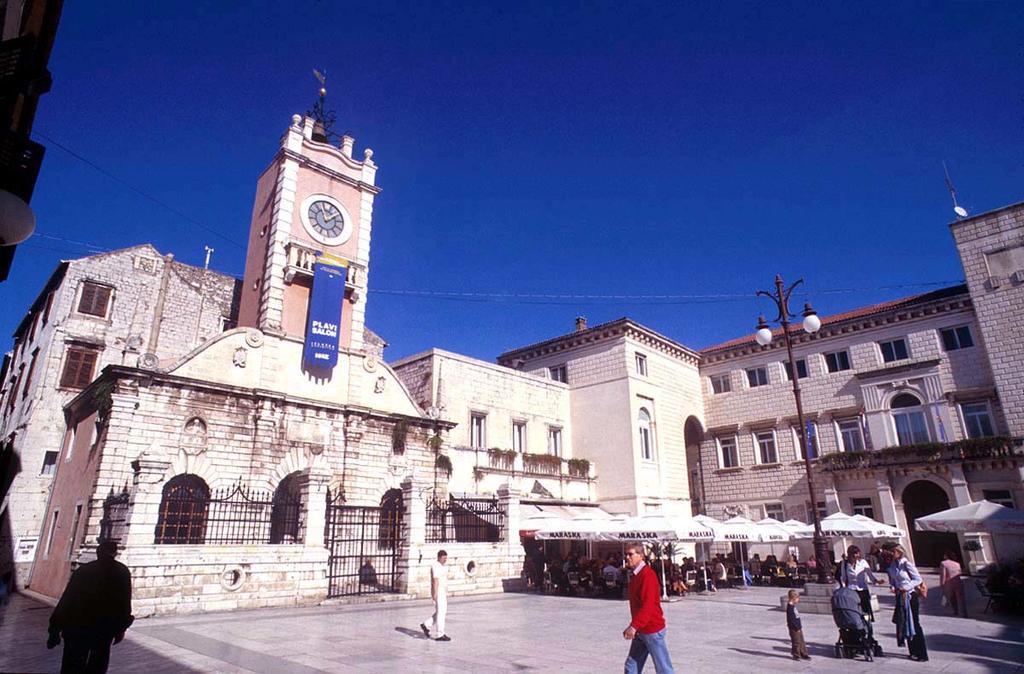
[79, 365]
[115, 516]
[191, 514]
[465, 520]
[893, 350]
[94, 300]
[863, 506]
[954, 339]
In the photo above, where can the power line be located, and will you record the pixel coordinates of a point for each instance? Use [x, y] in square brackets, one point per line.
[142, 193]
[560, 299]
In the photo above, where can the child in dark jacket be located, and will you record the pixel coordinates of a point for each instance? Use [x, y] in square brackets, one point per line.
[796, 632]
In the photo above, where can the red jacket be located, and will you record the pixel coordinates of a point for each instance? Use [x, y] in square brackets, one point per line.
[645, 602]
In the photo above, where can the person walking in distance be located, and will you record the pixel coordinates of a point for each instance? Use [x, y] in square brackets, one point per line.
[94, 611]
[952, 586]
[438, 593]
[646, 630]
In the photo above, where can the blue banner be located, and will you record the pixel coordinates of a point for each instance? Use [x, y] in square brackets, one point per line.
[812, 441]
[323, 327]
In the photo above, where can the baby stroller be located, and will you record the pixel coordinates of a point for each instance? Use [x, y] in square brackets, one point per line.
[855, 633]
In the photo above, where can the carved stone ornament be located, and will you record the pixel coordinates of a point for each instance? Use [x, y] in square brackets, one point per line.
[378, 387]
[370, 364]
[241, 357]
[193, 437]
[254, 338]
[354, 428]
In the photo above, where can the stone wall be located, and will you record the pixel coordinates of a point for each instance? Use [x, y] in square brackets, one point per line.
[942, 379]
[140, 300]
[174, 579]
[991, 248]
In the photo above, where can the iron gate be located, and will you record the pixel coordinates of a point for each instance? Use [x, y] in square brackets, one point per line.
[363, 544]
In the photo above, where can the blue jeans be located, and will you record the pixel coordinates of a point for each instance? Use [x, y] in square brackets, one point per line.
[654, 645]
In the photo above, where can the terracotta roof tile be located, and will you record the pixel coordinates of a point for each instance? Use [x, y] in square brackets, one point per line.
[854, 314]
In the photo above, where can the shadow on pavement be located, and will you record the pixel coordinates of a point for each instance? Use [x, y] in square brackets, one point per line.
[23, 645]
[415, 634]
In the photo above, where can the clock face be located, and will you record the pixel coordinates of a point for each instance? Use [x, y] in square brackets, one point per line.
[326, 219]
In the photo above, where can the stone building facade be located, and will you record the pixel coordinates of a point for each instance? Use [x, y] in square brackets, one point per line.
[632, 393]
[118, 308]
[236, 473]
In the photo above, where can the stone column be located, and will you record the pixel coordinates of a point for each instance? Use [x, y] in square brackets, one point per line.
[886, 502]
[314, 500]
[508, 500]
[961, 494]
[147, 492]
[414, 534]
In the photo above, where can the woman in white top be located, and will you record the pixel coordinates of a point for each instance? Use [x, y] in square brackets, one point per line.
[855, 573]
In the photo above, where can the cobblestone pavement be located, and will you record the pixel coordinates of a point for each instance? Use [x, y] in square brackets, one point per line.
[735, 631]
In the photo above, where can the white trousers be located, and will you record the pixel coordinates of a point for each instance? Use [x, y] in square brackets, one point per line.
[437, 620]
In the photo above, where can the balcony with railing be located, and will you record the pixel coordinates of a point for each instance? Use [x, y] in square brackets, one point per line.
[487, 468]
[995, 449]
[301, 256]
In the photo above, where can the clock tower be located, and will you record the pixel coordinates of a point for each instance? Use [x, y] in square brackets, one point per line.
[314, 203]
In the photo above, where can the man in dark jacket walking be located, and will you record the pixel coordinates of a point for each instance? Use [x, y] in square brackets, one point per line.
[94, 611]
[646, 630]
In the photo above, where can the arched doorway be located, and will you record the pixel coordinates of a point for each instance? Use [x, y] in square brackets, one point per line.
[921, 498]
[693, 435]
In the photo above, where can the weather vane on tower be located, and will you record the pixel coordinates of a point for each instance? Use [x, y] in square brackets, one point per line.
[324, 119]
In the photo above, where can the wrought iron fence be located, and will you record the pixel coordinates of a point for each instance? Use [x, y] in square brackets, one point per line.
[465, 520]
[191, 514]
[115, 516]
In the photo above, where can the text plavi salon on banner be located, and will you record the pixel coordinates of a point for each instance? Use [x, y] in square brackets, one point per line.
[323, 326]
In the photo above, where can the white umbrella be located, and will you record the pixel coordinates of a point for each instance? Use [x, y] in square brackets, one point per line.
[773, 531]
[841, 525]
[881, 529]
[799, 529]
[660, 528]
[983, 516]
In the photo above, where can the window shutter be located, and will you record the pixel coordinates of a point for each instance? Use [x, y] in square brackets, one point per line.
[78, 368]
[95, 299]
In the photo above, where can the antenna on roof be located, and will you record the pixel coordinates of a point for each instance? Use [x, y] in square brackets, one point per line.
[960, 211]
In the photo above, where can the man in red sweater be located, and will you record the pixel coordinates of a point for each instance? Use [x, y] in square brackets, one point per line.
[646, 630]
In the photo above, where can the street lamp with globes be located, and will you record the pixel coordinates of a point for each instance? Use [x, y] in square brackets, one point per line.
[811, 324]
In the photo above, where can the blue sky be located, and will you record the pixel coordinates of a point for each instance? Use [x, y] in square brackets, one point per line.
[548, 148]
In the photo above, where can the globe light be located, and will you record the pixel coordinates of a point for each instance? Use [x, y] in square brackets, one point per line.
[764, 336]
[17, 221]
[811, 321]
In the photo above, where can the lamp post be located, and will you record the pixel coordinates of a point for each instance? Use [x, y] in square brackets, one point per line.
[811, 324]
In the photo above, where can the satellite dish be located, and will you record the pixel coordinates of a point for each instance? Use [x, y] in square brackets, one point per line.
[960, 211]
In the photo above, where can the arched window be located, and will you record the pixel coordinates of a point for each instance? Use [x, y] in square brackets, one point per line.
[911, 423]
[284, 513]
[183, 508]
[646, 441]
[390, 528]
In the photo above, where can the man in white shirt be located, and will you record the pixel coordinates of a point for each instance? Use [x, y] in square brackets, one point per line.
[439, 593]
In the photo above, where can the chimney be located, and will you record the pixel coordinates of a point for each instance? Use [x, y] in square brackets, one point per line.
[581, 323]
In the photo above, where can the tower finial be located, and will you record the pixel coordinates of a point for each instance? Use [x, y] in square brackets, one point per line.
[323, 119]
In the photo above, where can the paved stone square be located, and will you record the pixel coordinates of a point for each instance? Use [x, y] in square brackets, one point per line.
[735, 631]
